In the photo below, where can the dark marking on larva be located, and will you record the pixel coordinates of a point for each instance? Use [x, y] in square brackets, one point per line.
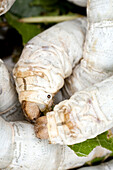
[48, 96]
[98, 120]
[89, 101]
[45, 47]
[25, 86]
[61, 123]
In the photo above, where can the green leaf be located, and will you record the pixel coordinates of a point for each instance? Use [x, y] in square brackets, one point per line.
[105, 140]
[22, 8]
[27, 31]
[44, 2]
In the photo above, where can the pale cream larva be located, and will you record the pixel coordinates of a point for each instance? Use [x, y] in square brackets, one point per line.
[5, 5]
[85, 115]
[9, 105]
[21, 150]
[45, 62]
[96, 65]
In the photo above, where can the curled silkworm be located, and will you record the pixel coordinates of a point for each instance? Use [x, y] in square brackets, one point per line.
[46, 61]
[85, 115]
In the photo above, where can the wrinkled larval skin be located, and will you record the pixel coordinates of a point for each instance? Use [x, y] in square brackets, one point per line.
[70, 64]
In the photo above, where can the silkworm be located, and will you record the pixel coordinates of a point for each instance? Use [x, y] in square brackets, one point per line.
[85, 115]
[45, 62]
